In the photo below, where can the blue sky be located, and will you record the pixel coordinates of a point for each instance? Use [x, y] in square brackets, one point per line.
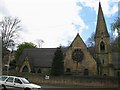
[90, 18]
[57, 21]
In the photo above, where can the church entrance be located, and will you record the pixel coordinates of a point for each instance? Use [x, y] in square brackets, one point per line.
[25, 69]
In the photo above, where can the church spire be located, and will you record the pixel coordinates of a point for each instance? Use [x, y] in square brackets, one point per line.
[101, 28]
[103, 52]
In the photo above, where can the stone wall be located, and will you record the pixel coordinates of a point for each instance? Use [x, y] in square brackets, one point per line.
[71, 80]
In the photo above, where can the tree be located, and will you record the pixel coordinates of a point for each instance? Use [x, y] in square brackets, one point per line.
[40, 42]
[9, 28]
[116, 26]
[90, 40]
[115, 44]
[22, 46]
[58, 64]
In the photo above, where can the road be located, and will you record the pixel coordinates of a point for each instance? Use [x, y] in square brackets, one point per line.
[67, 88]
[79, 89]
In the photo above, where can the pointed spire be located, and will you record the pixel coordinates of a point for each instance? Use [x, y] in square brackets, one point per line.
[101, 28]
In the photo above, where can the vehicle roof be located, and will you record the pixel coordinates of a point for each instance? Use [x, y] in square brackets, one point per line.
[11, 76]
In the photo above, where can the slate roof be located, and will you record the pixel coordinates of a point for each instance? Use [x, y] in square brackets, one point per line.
[42, 57]
[39, 57]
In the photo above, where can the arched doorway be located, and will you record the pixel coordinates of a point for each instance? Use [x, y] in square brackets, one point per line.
[25, 69]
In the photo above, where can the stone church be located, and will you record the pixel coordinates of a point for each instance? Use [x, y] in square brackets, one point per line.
[78, 59]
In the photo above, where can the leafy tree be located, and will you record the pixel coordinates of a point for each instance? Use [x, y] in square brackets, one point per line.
[58, 64]
[22, 46]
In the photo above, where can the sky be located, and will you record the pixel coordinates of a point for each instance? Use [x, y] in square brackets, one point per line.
[57, 22]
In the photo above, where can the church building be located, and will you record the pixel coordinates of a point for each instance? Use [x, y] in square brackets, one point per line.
[78, 58]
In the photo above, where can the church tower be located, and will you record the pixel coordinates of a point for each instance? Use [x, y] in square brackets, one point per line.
[102, 46]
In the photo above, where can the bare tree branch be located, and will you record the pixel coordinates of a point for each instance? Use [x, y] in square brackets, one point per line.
[116, 25]
[40, 42]
[9, 28]
[90, 40]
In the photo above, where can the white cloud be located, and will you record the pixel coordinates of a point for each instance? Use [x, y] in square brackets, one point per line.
[90, 3]
[50, 20]
[110, 7]
[114, 9]
[3, 9]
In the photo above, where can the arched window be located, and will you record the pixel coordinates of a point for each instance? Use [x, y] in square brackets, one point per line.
[25, 69]
[86, 72]
[102, 46]
[68, 70]
[103, 61]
